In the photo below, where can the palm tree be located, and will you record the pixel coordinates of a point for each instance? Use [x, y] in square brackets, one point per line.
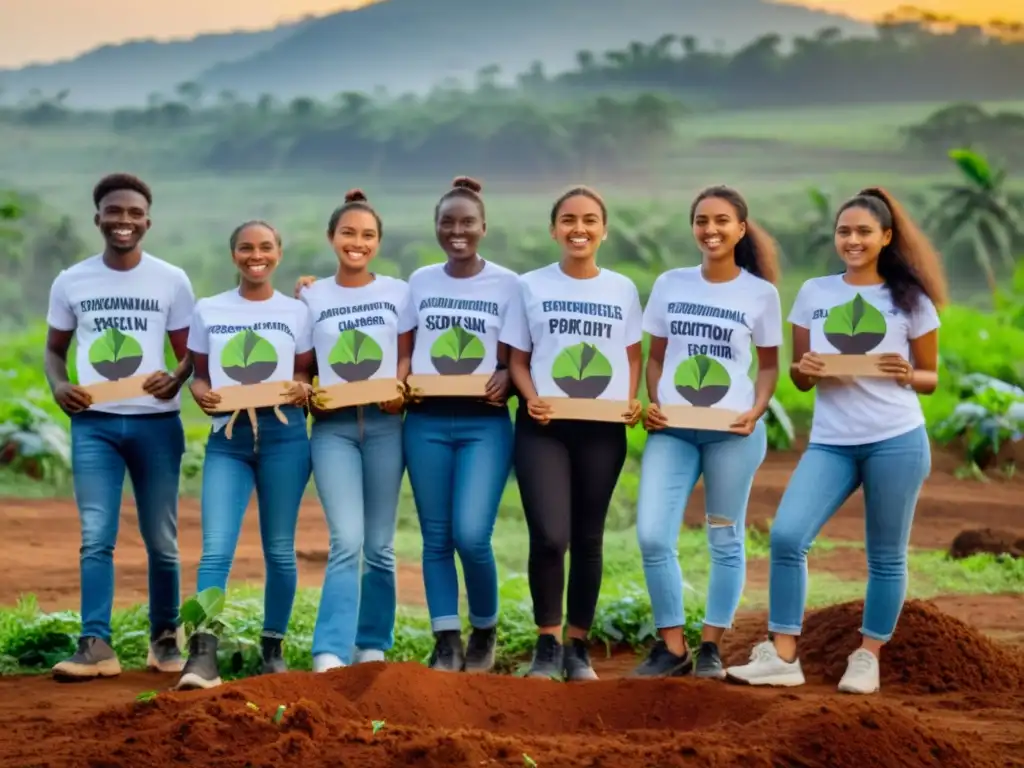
[981, 208]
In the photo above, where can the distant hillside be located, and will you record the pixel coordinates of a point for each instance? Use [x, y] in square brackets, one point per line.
[408, 45]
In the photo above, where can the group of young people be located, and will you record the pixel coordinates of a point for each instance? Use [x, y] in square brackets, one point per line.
[569, 329]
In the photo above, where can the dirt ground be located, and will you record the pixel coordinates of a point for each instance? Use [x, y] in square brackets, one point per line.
[953, 677]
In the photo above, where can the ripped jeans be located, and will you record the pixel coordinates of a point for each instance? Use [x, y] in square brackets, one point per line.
[673, 460]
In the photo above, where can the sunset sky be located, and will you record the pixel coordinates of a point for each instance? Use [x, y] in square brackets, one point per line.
[30, 33]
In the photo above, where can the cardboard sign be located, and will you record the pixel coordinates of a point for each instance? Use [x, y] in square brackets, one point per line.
[348, 394]
[243, 396]
[587, 409]
[120, 389]
[854, 365]
[693, 417]
[436, 385]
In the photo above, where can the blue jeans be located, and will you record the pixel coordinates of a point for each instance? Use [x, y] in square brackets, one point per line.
[358, 467]
[892, 472]
[278, 468]
[103, 446]
[673, 460]
[458, 467]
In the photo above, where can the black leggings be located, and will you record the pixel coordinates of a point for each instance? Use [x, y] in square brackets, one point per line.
[567, 471]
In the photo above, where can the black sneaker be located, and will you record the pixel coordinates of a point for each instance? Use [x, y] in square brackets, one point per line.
[165, 653]
[661, 662]
[94, 658]
[709, 663]
[201, 669]
[480, 650]
[273, 657]
[547, 658]
[447, 655]
[576, 661]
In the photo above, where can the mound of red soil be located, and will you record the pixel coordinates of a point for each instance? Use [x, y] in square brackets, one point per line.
[986, 541]
[438, 719]
[931, 652]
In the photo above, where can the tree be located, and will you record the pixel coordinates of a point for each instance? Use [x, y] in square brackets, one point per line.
[982, 209]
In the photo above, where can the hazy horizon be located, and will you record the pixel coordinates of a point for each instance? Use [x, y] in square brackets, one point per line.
[31, 37]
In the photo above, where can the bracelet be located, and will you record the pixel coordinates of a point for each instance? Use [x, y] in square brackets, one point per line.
[501, 367]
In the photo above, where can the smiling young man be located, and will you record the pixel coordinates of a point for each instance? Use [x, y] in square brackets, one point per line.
[119, 306]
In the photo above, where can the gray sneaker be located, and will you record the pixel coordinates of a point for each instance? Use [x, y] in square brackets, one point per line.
[480, 650]
[448, 654]
[709, 662]
[94, 658]
[165, 653]
[548, 659]
[272, 652]
[576, 661]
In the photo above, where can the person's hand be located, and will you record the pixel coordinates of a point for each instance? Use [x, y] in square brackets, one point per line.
[303, 282]
[394, 406]
[71, 397]
[205, 398]
[745, 422]
[162, 385]
[634, 414]
[298, 393]
[539, 410]
[497, 388]
[895, 365]
[655, 418]
[812, 366]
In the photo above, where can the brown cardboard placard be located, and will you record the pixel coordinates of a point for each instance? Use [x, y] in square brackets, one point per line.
[242, 396]
[436, 385]
[119, 389]
[854, 365]
[588, 409]
[371, 391]
[694, 417]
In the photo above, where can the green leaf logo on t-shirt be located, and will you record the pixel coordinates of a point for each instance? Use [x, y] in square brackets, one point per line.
[855, 328]
[702, 380]
[355, 356]
[248, 358]
[581, 371]
[115, 355]
[456, 352]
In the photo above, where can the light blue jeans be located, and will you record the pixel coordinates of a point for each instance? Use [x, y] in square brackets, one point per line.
[673, 460]
[103, 445]
[278, 469]
[892, 472]
[358, 467]
[458, 467]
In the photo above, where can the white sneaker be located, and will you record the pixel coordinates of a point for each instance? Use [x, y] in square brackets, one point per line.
[368, 655]
[861, 673]
[323, 662]
[766, 667]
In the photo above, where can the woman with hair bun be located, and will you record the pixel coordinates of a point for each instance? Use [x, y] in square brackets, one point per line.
[459, 450]
[866, 432]
[357, 451]
[703, 322]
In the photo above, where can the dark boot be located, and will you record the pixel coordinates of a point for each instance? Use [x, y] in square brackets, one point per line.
[273, 656]
[201, 669]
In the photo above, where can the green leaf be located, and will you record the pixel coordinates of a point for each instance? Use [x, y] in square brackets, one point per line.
[699, 372]
[204, 608]
[854, 318]
[354, 346]
[580, 361]
[247, 348]
[457, 344]
[113, 346]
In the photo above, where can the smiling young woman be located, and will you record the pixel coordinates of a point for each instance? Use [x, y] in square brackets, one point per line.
[575, 331]
[249, 335]
[866, 432]
[703, 322]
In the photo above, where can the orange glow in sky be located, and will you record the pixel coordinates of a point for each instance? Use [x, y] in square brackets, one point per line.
[29, 33]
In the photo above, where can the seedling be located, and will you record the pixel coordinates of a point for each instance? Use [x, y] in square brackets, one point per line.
[146, 696]
[252, 706]
[279, 714]
[377, 725]
[201, 613]
[528, 761]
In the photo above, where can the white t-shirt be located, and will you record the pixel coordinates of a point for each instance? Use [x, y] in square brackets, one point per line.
[356, 330]
[458, 320]
[709, 328]
[121, 320]
[859, 320]
[249, 342]
[578, 331]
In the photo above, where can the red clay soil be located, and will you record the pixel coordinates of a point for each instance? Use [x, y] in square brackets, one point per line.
[986, 541]
[442, 719]
[39, 551]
